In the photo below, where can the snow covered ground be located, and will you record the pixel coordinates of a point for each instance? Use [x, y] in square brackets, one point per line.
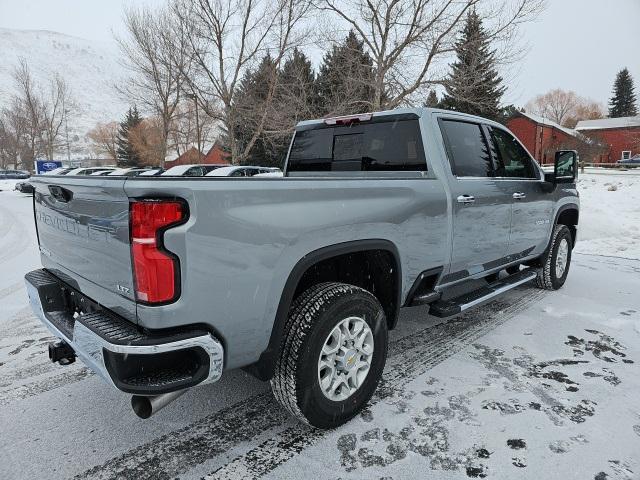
[610, 219]
[533, 385]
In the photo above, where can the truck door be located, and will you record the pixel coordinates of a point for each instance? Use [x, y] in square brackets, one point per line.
[481, 210]
[518, 178]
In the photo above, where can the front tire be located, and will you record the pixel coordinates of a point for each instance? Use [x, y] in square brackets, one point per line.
[555, 266]
[332, 356]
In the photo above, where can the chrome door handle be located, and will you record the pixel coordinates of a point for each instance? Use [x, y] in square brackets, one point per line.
[466, 199]
[519, 195]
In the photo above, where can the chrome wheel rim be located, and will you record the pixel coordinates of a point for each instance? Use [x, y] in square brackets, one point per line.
[345, 358]
[561, 258]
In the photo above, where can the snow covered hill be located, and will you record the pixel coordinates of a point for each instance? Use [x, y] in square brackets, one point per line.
[91, 68]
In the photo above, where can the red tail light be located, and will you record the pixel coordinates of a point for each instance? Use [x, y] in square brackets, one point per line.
[156, 270]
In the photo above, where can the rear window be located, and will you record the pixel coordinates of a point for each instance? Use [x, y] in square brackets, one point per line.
[382, 146]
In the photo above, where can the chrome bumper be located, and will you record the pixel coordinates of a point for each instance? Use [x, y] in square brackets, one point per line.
[92, 347]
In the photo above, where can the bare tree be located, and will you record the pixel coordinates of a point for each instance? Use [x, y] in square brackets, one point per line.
[104, 138]
[57, 108]
[148, 141]
[12, 131]
[155, 53]
[43, 112]
[32, 109]
[190, 127]
[565, 107]
[225, 39]
[410, 41]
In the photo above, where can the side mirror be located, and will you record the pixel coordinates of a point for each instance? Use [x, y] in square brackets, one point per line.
[565, 168]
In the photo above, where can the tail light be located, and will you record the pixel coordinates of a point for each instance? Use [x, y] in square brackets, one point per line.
[156, 270]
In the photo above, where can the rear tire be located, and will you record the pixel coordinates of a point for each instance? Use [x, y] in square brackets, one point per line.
[324, 389]
[555, 264]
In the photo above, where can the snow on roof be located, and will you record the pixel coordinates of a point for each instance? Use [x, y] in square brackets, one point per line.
[620, 122]
[545, 121]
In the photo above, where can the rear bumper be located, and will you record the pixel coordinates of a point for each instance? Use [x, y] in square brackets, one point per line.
[134, 361]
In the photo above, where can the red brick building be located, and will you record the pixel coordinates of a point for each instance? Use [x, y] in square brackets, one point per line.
[543, 138]
[215, 156]
[620, 135]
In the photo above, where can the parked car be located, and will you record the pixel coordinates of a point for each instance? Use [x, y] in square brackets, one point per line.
[241, 171]
[14, 174]
[190, 170]
[134, 172]
[630, 162]
[89, 170]
[24, 187]
[153, 172]
[298, 281]
[270, 174]
[59, 171]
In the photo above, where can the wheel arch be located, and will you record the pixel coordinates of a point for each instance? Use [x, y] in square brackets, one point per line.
[568, 215]
[314, 261]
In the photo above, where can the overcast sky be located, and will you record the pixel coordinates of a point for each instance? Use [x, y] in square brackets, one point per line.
[575, 44]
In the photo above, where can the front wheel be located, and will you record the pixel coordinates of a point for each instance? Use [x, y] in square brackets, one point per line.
[553, 272]
[332, 356]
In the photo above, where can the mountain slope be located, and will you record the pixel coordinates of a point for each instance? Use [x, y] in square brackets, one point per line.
[91, 69]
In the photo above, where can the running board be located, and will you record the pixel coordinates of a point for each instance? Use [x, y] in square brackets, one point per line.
[447, 308]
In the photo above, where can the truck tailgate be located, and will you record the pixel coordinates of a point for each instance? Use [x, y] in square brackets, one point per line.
[83, 233]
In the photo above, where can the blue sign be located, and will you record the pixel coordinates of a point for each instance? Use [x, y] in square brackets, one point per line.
[43, 166]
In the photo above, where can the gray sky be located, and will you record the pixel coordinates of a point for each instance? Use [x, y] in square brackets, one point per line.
[575, 44]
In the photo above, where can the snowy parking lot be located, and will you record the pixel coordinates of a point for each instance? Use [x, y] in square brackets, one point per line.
[536, 384]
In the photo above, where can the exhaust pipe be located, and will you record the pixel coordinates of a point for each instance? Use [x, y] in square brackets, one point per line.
[145, 406]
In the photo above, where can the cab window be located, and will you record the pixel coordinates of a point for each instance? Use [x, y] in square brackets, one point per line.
[512, 160]
[467, 148]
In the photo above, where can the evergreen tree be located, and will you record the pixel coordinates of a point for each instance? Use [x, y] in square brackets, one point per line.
[474, 85]
[345, 79]
[297, 86]
[432, 100]
[296, 100]
[623, 101]
[249, 109]
[127, 156]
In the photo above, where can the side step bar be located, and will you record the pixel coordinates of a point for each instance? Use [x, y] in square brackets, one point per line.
[447, 308]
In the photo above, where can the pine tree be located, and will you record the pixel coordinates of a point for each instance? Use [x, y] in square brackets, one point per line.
[623, 101]
[432, 100]
[474, 85]
[296, 100]
[127, 156]
[297, 86]
[249, 109]
[345, 79]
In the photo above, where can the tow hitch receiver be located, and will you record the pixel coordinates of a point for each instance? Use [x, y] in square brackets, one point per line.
[62, 353]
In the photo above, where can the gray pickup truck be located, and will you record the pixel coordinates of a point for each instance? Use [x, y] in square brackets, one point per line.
[159, 283]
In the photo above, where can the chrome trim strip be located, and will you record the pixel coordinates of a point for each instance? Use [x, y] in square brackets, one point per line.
[89, 346]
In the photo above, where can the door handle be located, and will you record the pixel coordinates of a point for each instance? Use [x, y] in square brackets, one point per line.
[466, 199]
[519, 195]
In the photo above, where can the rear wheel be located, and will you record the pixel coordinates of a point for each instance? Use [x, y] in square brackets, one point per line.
[555, 265]
[332, 356]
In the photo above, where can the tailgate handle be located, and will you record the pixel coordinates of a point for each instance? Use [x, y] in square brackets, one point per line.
[60, 194]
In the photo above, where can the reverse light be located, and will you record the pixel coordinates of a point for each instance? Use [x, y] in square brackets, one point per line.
[156, 270]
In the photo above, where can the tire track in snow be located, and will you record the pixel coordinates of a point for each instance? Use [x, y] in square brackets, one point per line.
[451, 338]
[246, 421]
